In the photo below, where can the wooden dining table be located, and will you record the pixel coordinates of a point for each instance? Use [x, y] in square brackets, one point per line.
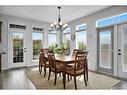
[64, 59]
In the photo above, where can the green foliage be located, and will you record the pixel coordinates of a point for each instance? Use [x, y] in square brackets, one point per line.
[52, 47]
[17, 43]
[60, 49]
[36, 46]
[56, 49]
[81, 45]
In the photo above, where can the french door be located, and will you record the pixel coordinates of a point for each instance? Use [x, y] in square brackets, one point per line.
[105, 46]
[18, 48]
[122, 50]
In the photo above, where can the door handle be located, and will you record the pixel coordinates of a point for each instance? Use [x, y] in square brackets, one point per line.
[24, 49]
[119, 53]
[119, 50]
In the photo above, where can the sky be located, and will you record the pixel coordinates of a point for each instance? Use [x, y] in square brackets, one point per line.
[51, 39]
[81, 36]
[37, 36]
[112, 20]
[17, 35]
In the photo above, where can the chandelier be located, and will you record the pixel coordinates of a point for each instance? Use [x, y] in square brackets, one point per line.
[59, 26]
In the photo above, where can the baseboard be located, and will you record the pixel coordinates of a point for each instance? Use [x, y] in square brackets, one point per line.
[2, 69]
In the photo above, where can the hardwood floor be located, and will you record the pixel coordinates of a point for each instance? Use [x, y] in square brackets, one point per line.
[17, 79]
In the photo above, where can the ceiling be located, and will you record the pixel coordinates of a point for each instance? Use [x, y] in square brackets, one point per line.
[50, 13]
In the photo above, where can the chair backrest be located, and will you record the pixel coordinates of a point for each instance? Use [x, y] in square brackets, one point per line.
[80, 60]
[51, 59]
[42, 59]
[45, 50]
[75, 52]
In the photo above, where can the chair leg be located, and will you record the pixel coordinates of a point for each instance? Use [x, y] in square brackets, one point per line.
[64, 80]
[75, 82]
[44, 72]
[55, 78]
[85, 79]
[87, 72]
[40, 69]
[49, 74]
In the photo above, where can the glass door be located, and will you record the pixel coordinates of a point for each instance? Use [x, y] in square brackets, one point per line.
[122, 51]
[18, 48]
[105, 50]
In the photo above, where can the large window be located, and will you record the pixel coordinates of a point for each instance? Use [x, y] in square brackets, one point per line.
[37, 38]
[52, 38]
[112, 20]
[66, 37]
[81, 36]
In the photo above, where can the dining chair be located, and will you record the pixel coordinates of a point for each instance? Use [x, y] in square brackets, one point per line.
[54, 66]
[79, 67]
[74, 54]
[43, 62]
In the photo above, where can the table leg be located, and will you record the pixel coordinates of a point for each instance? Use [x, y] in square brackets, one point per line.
[64, 76]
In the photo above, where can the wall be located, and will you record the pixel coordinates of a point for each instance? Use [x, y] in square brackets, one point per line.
[92, 33]
[6, 37]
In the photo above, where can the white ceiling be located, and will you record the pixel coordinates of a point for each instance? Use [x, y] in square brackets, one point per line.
[50, 13]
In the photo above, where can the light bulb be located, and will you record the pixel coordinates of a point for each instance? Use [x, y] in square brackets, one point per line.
[55, 23]
[60, 23]
[52, 25]
[65, 25]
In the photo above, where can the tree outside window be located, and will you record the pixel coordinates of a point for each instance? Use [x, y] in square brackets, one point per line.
[66, 38]
[37, 44]
[81, 36]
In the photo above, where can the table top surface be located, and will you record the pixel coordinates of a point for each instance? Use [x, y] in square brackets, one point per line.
[64, 58]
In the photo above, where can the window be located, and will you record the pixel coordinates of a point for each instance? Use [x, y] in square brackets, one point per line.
[37, 38]
[81, 36]
[112, 20]
[66, 37]
[52, 38]
[81, 27]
